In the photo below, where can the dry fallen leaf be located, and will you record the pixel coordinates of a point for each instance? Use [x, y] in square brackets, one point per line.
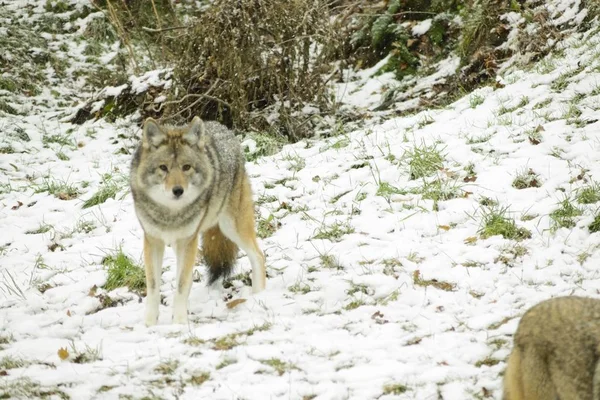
[235, 303]
[69, 313]
[444, 227]
[63, 353]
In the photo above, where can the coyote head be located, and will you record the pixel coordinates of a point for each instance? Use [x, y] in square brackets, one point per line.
[174, 167]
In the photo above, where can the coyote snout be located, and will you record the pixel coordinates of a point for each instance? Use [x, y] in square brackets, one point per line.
[177, 191]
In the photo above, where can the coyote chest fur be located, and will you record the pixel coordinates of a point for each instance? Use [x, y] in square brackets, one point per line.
[188, 181]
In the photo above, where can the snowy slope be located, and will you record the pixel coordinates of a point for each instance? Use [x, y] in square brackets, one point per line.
[374, 290]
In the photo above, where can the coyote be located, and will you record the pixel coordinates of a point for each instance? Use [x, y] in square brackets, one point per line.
[186, 181]
[556, 352]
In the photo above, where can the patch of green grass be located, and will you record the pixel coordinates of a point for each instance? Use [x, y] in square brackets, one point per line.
[354, 304]
[9, 362]
[243, 277]
[488, 361]
[266, 145]
[60, 139]
[330, 261]
[564, 215]
[58, 188]
[424, 160]
[471, 174]
[496, 222]
[100, 30]
[425, 120]
[122, 271]
[296, 163]
[43, 228]
[300, 287]
[386, 190]
[526, 179]
[589, 194]
[83, 226]
[334, 232]
[8, 149]
[167, 367]
[476, 100]
[57, 6]
[340, 144]
[360, 197]
[440, 190]
[545, 66]
[194, 340]
[105, 388]
[358, 288]
[522, 103]
[562, 81]
[479, 139]
[557, 152]
[265, 227]
[394, 388]
[25, 388]
[109, 188]
[93, 49]
[279, 366]
[226, 342]
[472, 264]
[544, 103]
[62, 156]
[505, 120]
[572, 114]
[225, 363]
[595, 225]
[87, 355]
[265, 199]
[5, 339]
[535, 135]
[415, 257]
[390, 265]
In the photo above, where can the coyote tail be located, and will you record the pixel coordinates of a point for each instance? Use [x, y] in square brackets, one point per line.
[219, 254]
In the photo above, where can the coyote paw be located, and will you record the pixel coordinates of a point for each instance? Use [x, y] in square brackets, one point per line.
[180, 319]
[151, 318]
[180, 315]
[257, 288]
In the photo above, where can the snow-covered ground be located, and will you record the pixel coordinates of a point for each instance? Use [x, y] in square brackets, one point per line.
[375, 291]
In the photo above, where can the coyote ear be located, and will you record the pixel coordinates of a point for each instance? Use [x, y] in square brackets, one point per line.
[195, 133]
[153, 135]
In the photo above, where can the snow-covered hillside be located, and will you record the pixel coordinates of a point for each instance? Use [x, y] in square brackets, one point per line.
[400, 256]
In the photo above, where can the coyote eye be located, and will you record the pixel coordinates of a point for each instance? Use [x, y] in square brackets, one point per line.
[186, 167]
[163, 167]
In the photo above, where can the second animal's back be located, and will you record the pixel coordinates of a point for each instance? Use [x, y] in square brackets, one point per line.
[555, 353]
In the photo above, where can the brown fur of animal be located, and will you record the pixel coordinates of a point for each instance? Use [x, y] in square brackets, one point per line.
[556, 352]
[188, 181]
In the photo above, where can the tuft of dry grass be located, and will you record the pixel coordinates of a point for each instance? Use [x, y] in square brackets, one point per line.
[237, 61]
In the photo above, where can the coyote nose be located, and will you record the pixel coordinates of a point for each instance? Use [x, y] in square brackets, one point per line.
[177, 191]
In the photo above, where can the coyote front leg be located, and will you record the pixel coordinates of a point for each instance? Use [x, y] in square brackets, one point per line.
[154, 250]
[186, 250]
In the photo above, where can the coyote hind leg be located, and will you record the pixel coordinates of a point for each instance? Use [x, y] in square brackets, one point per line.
[241, 232]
